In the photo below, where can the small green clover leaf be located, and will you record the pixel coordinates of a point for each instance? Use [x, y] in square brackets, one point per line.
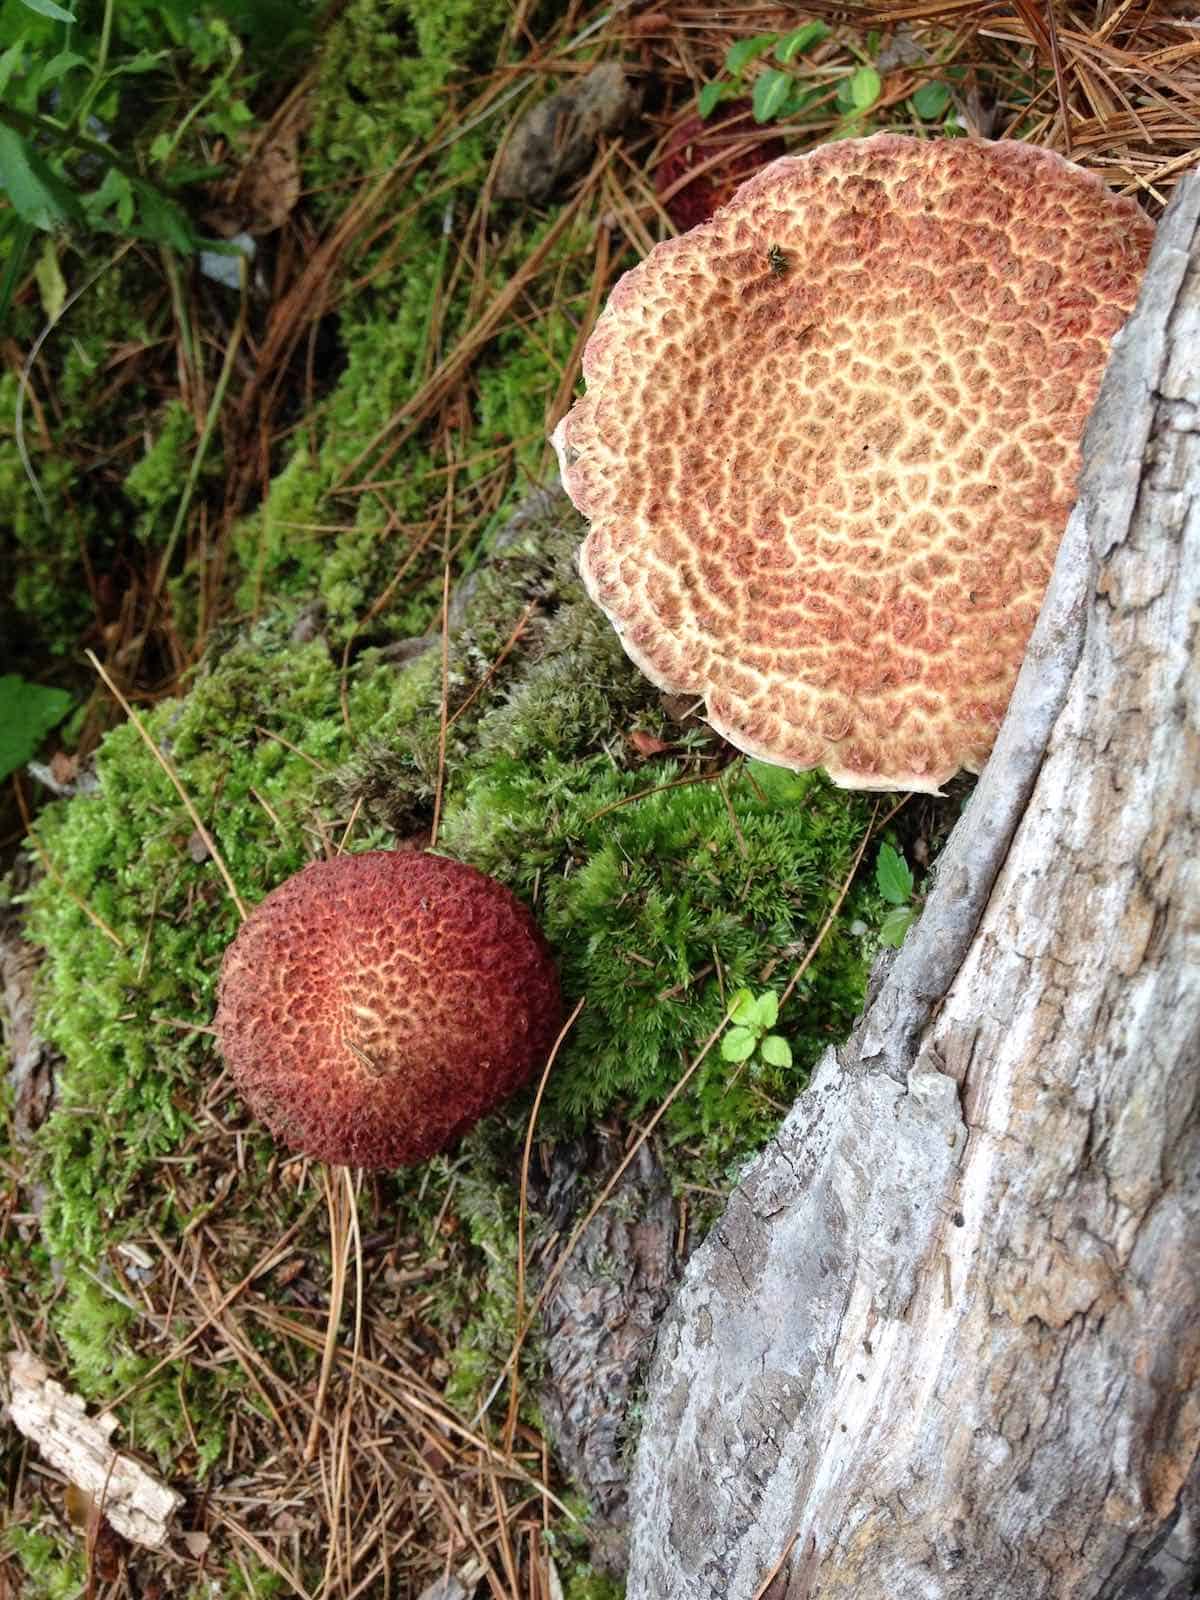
[739, 1044]
[767, 1009]
[771, 91]
[894, 880]
[743, 1007]
[28, 711]
[931, 100]
[865, 88]
[776, 94]
[740, 55]
[895, 925]
[710, 97]
[776, 1051]
[859, 92]
[794, 44]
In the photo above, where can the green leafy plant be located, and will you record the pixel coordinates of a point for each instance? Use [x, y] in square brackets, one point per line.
[57, 162]
[859, 92]
[77, 148]
[776, 93]
[894, 880]
[27, 713]
[752, 1018]
[932, 100]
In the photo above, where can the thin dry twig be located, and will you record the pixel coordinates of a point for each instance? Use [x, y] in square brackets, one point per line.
[209, 842]
[523, 1202]
[444, 706]
[93, 917]
[761, 1591]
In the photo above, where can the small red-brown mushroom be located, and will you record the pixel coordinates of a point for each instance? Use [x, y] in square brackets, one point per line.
[721, 152]
[374, 1007]
[830, 442]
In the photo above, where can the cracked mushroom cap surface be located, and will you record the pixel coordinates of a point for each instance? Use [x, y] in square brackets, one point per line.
[375, 1006]
[830, 442]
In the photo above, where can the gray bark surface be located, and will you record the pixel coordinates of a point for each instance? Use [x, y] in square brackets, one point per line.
[135, 1502]
[598, 1326]
[945, 1341]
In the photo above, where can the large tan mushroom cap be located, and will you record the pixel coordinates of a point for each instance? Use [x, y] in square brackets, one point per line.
[830, 442]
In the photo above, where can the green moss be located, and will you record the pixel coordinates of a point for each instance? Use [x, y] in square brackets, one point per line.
[252, 1578]
[277, 548]
[388, 71]
[486, 1200]
[96, 1324]
[54, 1570]
[656, 906]
[584, 1584]
[568, 1542]
[305, 543]
[122, 1016]
[156, 481]
[658, 909]
[404, 62]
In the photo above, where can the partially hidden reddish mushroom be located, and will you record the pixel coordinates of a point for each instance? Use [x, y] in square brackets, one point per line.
[720, 153]
[375, 1006]
[830, 442]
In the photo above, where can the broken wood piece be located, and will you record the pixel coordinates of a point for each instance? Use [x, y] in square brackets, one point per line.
[460, 1586]
[136, 1504]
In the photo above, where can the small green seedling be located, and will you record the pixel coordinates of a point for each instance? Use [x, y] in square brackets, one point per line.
[859, 92]
[776, 93]
[753, 1016]
[894, 880]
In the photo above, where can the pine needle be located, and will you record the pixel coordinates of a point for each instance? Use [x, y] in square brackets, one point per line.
[210, 843]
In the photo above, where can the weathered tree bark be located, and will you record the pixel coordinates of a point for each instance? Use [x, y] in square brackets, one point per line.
[134, 1501]
[945, 1341]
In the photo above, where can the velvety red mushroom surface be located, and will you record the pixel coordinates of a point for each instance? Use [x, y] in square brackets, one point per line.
[722, 151]
[830, 443]
[375, 1006]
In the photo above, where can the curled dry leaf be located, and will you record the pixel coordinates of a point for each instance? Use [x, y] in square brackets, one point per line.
[647, 745]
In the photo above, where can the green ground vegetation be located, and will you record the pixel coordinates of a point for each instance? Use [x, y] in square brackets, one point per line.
[111, 462]
[661, 888]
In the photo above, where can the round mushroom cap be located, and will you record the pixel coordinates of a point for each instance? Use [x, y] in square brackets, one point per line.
[375, 1006]
[830, 443]
[727, 147]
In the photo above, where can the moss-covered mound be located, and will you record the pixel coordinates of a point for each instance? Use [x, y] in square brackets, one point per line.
[662, 885]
